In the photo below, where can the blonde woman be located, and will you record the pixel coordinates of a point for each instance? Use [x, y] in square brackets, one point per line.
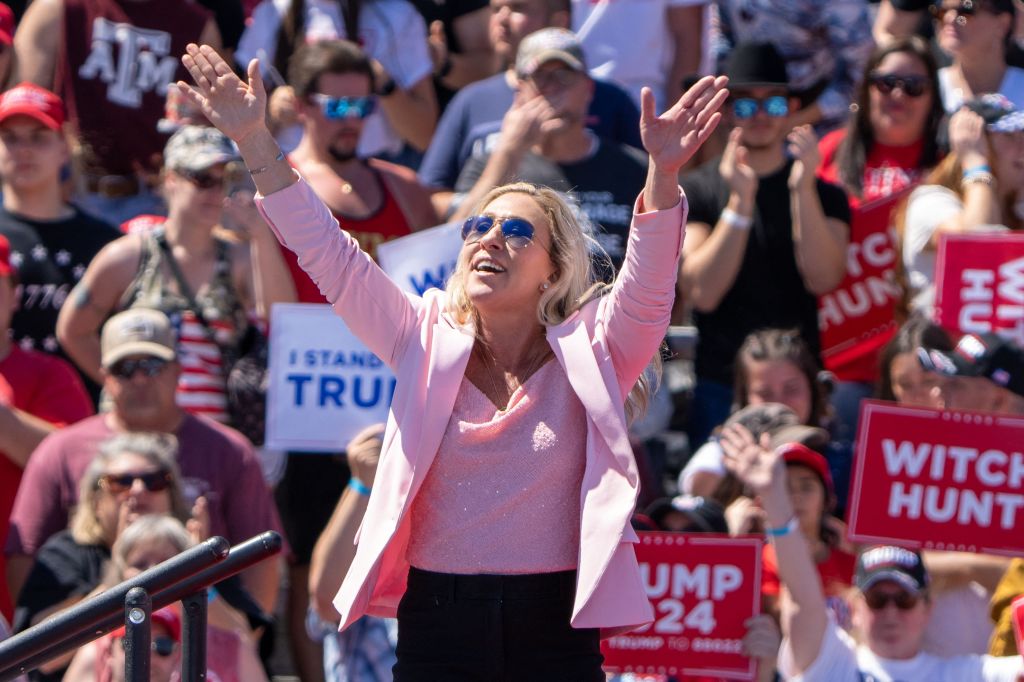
[498, 528]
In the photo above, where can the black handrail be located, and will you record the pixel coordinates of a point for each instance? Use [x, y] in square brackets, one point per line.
[175, 579]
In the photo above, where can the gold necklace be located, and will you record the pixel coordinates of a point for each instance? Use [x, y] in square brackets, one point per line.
[538, 361]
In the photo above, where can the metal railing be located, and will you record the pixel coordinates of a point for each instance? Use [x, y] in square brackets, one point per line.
[184, 578]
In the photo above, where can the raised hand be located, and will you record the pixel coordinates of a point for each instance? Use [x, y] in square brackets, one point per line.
[236, 108]
[751, 461]
[802, 144]
[734, 169]
[967, 138]
[672, 138]
[526, 122]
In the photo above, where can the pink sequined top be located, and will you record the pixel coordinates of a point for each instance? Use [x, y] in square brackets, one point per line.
[503, 493]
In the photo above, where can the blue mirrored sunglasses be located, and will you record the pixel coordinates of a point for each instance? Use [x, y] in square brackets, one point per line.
[775, 106]
[340, 108]
[517, 232]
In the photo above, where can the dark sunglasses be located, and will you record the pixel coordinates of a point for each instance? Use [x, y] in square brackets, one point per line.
[517, 232]
[911, 86]
[205, 179]
[962, 12]
[745, 108]
[341, 108]
[126, 369]
[153, 481]
[903, 600]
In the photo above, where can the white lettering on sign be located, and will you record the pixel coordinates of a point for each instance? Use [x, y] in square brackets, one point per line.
[979, 311]
[142, 63]
[991, 467]
[702, 580]
[941, 504]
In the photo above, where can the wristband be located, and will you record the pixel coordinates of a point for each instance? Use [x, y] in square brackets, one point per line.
[444, 69]
[735, 220]
[980, 168]
[387, 88]
[781, 531]
[264, 169]
[358, 486]
[982, 177]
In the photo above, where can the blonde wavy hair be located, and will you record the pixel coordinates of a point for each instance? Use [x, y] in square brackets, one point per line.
[159, 449]
[576, 280]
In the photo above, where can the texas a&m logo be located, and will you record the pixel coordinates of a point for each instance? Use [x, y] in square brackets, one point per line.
[140, 63]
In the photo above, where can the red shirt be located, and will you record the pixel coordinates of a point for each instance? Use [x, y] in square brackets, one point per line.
[386, 224]
[857, 318]
[44, 386]
[836, 572]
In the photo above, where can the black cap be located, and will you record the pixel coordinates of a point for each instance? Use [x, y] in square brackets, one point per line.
[987, 356]
[897, 564]
[756, 64]
[998, 112]
[706, 515]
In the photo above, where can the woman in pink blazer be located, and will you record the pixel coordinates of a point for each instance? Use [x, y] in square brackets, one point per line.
[498, 529]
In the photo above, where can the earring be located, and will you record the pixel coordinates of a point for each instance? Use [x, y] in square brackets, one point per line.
[545, 286]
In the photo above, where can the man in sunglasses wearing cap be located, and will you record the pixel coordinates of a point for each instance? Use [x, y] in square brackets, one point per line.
[138, 350]
[766, 237]
[890, 610]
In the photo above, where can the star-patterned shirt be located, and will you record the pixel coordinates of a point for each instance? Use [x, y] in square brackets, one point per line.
[50, 257]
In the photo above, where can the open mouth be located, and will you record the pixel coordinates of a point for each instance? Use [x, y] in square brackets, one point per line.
[488, 267]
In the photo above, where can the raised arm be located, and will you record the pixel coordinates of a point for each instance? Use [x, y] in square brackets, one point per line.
[804, 616]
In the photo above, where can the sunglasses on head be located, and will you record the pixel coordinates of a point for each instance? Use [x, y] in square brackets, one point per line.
[517, 232]
[126, 369]
[903, 600]
[205, 179]
[775, 106]
[153, 481]
[342, 108]
[911, 86]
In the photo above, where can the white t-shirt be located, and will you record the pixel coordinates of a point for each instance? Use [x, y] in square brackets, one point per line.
[708, 458]
[842, 660]
[1012, 87]
[959, 623]
[928, 207]
[628, 41]
[391, 31]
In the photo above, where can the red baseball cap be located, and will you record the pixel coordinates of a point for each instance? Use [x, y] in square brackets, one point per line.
[5, 257]
[6, 25]
[167, 617]
[798, 453]
[29, 99]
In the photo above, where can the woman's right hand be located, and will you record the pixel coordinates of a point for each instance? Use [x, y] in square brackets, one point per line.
[236, 108]
[967, 138]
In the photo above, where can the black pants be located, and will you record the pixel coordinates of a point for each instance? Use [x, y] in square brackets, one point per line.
[492, 628]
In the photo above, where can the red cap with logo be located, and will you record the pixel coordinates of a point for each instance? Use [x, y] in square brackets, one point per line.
[6, 25]
[28, 99]
[5, 257]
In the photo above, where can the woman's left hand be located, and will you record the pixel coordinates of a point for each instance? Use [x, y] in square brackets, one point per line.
[672, 138]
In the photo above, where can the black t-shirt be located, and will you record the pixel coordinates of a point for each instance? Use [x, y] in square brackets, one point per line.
[769, 291]
[50, 256]
[62, 569]
[447, 11]
[605, 184]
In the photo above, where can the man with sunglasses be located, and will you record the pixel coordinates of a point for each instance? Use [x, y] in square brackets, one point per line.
[140, 376]
[765, 237]
[544, 140]
[890, 610]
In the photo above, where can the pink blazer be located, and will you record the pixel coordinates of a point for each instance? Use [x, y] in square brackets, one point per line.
[602, 348]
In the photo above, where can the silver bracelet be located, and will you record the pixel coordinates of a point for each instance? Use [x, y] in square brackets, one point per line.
[264, 169]
[735, 220]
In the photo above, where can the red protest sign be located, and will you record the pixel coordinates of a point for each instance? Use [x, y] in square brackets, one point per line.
[979, 284]
[702, 588]
[857, 317]
[938, 479]
[1017, 611]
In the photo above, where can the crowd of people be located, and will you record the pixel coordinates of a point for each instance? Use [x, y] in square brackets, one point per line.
[157, 199]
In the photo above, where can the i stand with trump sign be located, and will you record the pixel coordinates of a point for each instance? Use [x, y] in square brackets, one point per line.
[325, 386]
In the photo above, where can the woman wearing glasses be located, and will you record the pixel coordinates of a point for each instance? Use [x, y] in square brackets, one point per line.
[499, 526]
[231, 657]
[187, 269]
[976, 34]
[889, 610]
[130, 476]
[888, 145]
